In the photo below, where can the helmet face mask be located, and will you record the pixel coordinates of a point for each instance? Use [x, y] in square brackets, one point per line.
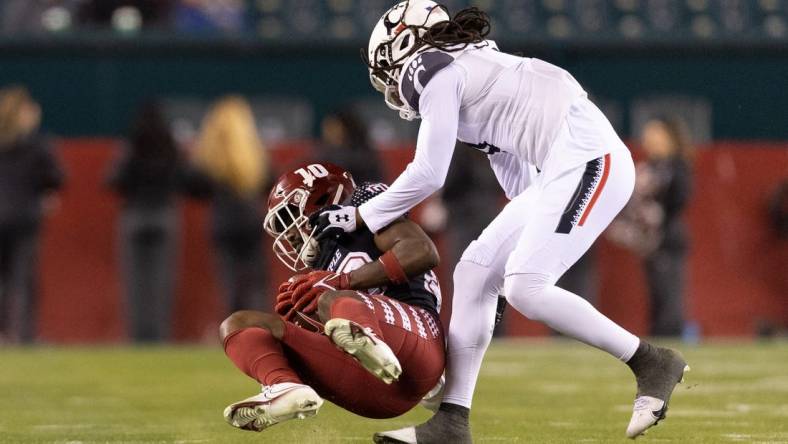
[297, 195]
[396, 37]
[294, 242]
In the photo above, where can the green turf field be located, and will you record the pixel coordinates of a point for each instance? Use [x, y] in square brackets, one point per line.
[529, 392]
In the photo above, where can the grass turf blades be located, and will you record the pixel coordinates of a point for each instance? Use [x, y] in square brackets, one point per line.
[529, 392]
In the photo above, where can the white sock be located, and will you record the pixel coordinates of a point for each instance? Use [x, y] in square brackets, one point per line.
[534, 296]
[475, 298]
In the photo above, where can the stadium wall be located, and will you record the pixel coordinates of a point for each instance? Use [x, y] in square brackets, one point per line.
[94, 92]
[738, 276]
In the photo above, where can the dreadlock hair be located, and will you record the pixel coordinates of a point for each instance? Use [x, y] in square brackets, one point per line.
[469, 26]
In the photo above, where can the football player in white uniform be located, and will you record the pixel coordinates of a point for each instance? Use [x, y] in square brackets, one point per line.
[563, 168]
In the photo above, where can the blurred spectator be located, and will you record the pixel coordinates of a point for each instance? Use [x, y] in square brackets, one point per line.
[582, 278]
[19, 17]
[345, 142]
[28, 173]
[147, 178]
[652, 224]
[464, 208]
[778, 210]
[210, 16]
[230, 153]
[37, 16]
[126, 15]
[466, 195]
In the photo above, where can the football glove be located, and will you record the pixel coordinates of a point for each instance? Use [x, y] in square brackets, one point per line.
[333, 220]
[306, 291]
[284, 299]
[283, 304]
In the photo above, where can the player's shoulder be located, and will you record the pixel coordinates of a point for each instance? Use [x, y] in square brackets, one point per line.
[366, 191]
[419, 70]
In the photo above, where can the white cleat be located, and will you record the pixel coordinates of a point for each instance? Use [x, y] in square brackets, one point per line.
[277, 403]
[648, 412]
[372, 353]
[401, 436]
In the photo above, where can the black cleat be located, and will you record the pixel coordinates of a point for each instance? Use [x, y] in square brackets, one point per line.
[657, 371]
[449, 425]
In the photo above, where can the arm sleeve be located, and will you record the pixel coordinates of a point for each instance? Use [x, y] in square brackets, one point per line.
[513, 174]
[439, 107]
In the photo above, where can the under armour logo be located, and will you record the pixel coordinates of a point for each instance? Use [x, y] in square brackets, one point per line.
[342, 217]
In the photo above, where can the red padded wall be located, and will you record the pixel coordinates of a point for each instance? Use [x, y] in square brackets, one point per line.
[738, 273]
[79, 281]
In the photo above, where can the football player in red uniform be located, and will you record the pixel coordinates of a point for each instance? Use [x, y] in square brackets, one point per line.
[359, 326]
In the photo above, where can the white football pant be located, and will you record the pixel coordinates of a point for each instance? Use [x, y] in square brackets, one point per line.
[525, 250]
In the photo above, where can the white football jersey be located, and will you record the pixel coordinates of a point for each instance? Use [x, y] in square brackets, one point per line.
[511, 108]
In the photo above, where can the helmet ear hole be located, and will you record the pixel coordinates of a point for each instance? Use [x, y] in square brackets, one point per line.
[405, 42]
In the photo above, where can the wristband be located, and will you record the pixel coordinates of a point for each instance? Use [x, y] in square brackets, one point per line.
[393, 268]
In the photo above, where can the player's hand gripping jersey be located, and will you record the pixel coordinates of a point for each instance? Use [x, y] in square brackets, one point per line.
[346, 252]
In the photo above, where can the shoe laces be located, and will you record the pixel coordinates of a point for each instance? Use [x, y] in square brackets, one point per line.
[641, 403]
[245, 416]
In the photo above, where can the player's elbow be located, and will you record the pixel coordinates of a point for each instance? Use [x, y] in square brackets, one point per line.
[427, 256]
[430, 178]
[427, 177]
[434, 183]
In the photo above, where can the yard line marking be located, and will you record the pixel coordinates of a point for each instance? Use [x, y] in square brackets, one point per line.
[64, 426]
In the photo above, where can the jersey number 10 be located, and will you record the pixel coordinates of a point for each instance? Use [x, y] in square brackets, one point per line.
[312, 172]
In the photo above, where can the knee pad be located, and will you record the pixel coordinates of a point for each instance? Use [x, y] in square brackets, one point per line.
[524, 292]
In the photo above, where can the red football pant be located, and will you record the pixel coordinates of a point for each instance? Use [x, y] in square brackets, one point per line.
[413, 334]
[257, 353]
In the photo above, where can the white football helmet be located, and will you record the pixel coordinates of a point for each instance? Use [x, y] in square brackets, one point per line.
[397, 36]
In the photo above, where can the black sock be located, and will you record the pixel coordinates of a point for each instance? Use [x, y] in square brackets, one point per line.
[454, 409]
[640, 356]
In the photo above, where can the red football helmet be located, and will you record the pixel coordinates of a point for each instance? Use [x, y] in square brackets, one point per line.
[295, 197]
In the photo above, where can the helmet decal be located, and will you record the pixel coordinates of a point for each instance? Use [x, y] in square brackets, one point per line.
[297, 194]
[396, 37]
[396, 25]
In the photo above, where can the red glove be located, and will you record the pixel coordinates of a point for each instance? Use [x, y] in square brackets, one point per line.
[284, 300]
[305, 292]
[284, 303]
